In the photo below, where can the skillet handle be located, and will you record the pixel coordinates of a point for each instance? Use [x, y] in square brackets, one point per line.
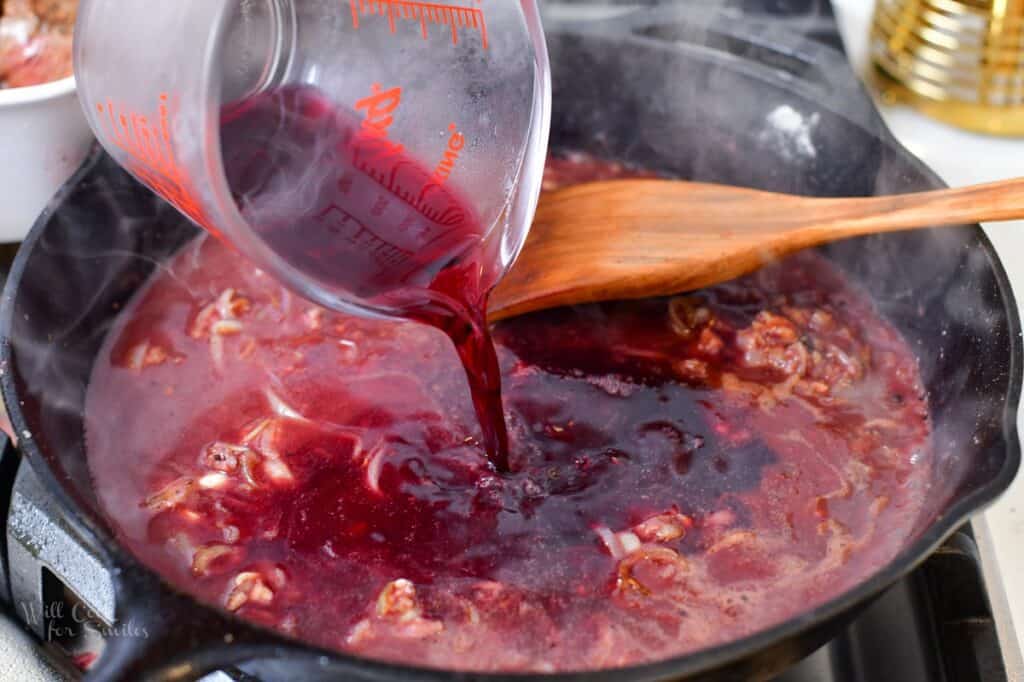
[161, 635]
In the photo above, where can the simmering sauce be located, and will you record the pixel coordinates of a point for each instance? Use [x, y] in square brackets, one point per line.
[684, 471]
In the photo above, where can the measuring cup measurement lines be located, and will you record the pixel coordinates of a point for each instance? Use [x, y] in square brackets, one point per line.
[426, 13]
[378, 109]
[152, 155]
[358, 234]
[382, 160]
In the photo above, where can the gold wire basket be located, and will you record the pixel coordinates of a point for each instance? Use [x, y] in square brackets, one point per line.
[960, 61]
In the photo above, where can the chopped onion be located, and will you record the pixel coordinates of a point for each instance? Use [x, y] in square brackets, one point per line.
[663, 527]
[170, 495]
[670, 566]
[144, 355]
[733, 539]
[226, 327]
[248, 586]
[206, 556]
[214, 480]
[619, 544]
[398, 600]
[224, 304]
[349, 349]
[137, 356]
[202, 322]
[374, 463]
[217, 352]
[281, 408]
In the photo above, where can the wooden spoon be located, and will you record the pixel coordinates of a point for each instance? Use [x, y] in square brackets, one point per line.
[622, 239]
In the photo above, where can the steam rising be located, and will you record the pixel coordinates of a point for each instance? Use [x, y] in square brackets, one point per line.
[790, 133]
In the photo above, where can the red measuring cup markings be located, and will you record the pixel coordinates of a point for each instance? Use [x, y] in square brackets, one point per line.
[426, 13]
[150, 150]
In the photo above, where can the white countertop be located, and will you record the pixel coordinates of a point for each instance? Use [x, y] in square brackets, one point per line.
[963, 158]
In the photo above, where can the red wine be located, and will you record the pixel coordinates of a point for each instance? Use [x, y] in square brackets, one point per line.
[347, 207]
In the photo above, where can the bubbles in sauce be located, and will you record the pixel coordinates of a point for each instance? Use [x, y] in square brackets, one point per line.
[686, 471]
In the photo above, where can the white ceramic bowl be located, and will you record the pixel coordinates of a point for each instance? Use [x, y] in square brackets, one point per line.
[43, 139]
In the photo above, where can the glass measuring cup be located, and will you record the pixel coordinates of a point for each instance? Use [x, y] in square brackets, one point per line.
[354, 149]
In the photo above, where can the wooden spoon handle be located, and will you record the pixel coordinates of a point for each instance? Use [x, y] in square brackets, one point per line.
[643, 237]
[994, 201]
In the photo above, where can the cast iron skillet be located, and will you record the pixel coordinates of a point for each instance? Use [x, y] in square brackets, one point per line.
[710, 97]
